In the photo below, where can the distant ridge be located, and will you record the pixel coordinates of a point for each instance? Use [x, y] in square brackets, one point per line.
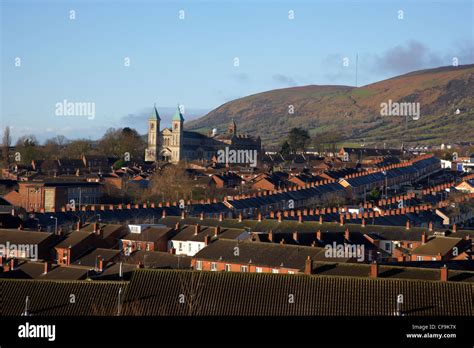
[354, 112]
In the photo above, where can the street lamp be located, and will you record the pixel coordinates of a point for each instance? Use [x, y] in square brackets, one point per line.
[56, 224]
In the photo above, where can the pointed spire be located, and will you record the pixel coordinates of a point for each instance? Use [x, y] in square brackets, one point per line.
[154, 115]
[178, 116]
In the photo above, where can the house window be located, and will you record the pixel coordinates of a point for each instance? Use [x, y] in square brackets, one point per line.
[291, 272]
[227, 267]
[419, 258]
[199, 265]
[274, 270]
[410, 245]
[180, 246]
[213, 266]
[258, 269]
[244, 269]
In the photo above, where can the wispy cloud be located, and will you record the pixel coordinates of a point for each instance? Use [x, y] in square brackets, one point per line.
[285, 80]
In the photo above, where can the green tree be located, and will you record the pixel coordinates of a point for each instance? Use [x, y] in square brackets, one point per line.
[285, 149]
[298, 139]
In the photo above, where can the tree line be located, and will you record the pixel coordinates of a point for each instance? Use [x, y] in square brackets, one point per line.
[299, 139]
[124, 143]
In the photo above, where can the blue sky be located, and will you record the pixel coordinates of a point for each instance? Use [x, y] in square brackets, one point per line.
[191, 60]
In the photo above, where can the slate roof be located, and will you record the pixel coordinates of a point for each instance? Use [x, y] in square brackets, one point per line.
[157, 292]
[290, 226]
[154, 292]
[156, 259]
[437, 245]
[91, 298]
[74, 238]
[23, 237]
[91, 258]
[261, 254]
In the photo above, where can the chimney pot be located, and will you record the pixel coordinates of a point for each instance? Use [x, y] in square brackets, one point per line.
[444, 273]
[374, 269]
[197, 229]
[308, 266]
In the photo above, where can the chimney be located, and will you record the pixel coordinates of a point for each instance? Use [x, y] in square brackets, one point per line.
[423, 238]
[197, 229]
[444, 273]
[363, 222]
[101, 264]
[308, 266]
[13, 263]
[430, 226]
[202, 216]
[177, 226]
[206, 240]
[341, 220]
[183, 215]
[240, 217]
[94, 227]
[374, 269]
[163, 214]
[318, 235]
[217, 230]
[78, 225]
[221, 216]
[270, 236]
[259, 217]
[279, 216]
[47, 267]
[172, 251]
[20, 227]
[408, 225]
[295, 236]
[320, 219]
[346, 234]
[454, 228]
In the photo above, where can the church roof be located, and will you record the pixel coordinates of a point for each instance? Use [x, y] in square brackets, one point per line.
[178, 116]
[154, 115]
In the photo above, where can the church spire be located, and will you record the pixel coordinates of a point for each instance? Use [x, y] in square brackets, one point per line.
[154, 115]
[178, 116]
[232, 127]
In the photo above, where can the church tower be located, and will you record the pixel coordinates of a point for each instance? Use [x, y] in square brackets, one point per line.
[151, 153]
[232, 129]
[177, 137]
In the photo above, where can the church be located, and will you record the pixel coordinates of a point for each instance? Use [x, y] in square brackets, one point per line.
[176, 144]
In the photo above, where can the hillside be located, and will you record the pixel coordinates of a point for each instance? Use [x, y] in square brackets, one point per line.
[355, 112]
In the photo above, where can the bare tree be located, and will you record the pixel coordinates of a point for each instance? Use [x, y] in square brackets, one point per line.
[6, 143]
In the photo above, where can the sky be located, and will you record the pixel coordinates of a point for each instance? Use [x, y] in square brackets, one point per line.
[122, 57]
